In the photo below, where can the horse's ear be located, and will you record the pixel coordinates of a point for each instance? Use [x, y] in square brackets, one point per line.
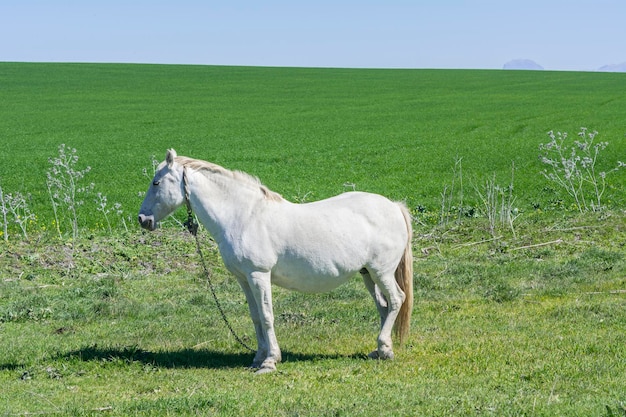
[169, 157]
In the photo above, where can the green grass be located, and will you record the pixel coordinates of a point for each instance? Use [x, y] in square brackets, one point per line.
[125, 325]
[121, 323]
[303, 132]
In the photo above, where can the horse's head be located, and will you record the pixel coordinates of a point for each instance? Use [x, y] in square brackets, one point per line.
[165, 195]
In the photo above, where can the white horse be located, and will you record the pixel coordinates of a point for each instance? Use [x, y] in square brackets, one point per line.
[313, 247]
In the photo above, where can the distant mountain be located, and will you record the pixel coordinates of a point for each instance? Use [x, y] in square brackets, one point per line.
[522, 64]
[614, 68]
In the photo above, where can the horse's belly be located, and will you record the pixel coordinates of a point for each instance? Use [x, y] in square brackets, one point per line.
[302, 280]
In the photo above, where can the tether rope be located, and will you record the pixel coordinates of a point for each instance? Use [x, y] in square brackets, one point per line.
[192, 227]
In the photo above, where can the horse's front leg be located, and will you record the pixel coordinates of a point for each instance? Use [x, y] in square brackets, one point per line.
[260, 285]
[261, 342]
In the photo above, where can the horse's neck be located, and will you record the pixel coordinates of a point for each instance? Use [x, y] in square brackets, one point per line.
[219, 202]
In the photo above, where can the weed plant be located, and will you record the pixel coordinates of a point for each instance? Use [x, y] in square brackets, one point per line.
[14, 208]
[492, 201]
[103, 207]
[498, 204]
[573, 167]
[64, 188]
[452, 197]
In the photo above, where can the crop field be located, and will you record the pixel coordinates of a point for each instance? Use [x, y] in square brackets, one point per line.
[306, 133]
[520, 293]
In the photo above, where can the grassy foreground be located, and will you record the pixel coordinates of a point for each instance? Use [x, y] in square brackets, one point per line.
[126, 326]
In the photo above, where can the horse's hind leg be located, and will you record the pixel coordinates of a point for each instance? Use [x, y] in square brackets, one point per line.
[379, 298]
[385, 289]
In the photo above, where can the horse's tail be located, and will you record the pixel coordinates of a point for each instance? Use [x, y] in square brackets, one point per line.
[404, 278]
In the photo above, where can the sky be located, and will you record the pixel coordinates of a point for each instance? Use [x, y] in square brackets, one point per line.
[578, 35]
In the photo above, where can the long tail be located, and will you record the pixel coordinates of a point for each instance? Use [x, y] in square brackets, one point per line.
[404, 278]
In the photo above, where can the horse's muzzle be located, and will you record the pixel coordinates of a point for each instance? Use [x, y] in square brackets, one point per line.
[147, 222]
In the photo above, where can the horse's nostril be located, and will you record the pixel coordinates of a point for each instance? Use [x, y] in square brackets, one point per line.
[146, 221]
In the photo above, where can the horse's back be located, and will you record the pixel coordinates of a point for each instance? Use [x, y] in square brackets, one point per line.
[364, 201]
[360, 210]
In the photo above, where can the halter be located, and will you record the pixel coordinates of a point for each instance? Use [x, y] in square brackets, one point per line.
[190, 224]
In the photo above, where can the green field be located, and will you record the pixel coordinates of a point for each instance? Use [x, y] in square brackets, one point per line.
[304, 132]
[522, 320]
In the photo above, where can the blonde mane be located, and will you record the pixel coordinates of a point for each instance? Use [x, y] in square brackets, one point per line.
[240, 176]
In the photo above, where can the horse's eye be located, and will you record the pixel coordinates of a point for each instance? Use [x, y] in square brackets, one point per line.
[156, 182]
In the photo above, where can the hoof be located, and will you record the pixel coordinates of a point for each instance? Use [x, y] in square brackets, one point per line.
[262, 371]
[266, 367]
[378, 355]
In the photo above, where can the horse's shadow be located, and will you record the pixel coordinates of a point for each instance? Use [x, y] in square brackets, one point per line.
[185, 358]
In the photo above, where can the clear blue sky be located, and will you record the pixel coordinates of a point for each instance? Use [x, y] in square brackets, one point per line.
[557, 34]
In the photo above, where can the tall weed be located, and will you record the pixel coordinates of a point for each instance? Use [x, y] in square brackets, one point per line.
[572, 165]
[498, 204]
[492, 201]
[63, 182]
[452, 195]
[14, 209]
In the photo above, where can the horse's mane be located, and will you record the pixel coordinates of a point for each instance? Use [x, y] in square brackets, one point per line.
[241, 176]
